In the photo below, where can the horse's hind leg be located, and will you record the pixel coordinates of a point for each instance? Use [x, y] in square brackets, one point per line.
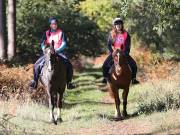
[125, 95]
[59, 106]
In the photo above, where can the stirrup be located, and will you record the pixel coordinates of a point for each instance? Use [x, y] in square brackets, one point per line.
[33, 85]
[134, 81]
[104, 81]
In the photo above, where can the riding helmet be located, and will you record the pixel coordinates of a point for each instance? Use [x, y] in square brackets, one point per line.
[118, 21]
[53, 20]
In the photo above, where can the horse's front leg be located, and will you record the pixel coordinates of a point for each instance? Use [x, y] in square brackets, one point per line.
[115, 95]
[125, 96]
[59, 106]
[51, 107]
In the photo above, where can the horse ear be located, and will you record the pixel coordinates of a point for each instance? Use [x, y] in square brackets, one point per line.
[122, 47]
[52, 43]
[52, 47]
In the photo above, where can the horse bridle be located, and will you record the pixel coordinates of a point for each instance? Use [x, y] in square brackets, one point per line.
[117, 53]
[52, 52]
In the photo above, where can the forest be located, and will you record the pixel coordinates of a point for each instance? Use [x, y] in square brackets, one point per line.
[86, 24]
[153, 105]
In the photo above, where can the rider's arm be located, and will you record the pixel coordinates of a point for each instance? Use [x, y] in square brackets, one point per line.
[109, 43]
[43, 39]
[63, 44]
[127, 45]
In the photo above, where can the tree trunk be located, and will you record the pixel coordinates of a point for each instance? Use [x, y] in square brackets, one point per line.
[2, 29]
[11, 29]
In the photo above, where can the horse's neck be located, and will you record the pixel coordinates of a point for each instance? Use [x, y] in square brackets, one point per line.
[122, 63]
[120, 67]
[59, 65]
[48, 65]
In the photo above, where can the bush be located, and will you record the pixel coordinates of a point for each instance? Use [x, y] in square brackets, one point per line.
[159, 96]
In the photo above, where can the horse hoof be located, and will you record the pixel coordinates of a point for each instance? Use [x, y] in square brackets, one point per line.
[53, 121]
[59, 120]
[125, 114]
[118, 118]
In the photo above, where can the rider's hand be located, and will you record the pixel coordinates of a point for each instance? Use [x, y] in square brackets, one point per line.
[113, 48]
[43, 50]
[114, 53]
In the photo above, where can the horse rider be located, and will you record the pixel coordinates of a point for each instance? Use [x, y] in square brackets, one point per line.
[60, 43]
[119, 37]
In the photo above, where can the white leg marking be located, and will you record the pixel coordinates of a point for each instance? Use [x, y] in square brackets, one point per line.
[58, 113]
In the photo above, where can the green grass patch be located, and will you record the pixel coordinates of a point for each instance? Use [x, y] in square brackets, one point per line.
[85, 111]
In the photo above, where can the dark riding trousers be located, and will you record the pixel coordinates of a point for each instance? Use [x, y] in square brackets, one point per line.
[40, 63]
[109, 62]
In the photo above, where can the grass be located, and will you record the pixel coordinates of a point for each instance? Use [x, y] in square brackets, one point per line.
[159, 96]
[85, 112]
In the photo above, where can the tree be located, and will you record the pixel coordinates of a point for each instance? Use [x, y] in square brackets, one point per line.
[11, 29]
[2, 31]
[156, 23]
[83, 35]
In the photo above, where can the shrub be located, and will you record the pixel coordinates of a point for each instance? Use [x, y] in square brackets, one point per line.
[159, 96]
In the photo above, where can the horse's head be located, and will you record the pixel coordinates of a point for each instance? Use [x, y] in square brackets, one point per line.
[119, 60]
[50, 56]
[119, 57]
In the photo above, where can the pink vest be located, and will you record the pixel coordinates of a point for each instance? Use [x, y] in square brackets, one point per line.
[120, 41]
[56, 36]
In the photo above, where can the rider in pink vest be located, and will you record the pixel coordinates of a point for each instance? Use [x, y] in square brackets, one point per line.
[119, 38]
[56, 34]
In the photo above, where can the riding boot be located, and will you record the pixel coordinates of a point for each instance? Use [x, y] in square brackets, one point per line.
[34, 83]
[70, 85]
[133, 67]
[104, 81]
[105, 74]
[134, 81]
[106, 67]
[37, 69]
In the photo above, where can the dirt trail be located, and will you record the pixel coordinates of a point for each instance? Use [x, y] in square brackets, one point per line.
[125, 127]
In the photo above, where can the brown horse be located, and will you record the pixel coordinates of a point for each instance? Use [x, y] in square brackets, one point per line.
[120, 78]
[53, 77]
